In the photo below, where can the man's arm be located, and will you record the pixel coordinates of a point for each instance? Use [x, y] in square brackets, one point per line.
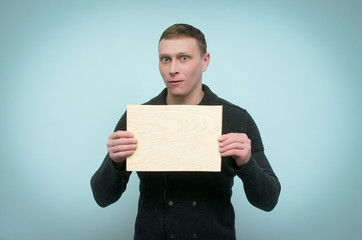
[108, 183]
[261, 185]
[110, 180]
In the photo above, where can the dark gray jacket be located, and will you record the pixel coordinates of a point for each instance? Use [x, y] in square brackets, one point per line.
[193, 205]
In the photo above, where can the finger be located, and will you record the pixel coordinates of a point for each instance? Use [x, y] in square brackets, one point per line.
[121, 134]
[121, 156]
[121, 141]
[236, 146]
[239, 138]
[236, 153]
[232, 152]
[122, 148]
[232, 136]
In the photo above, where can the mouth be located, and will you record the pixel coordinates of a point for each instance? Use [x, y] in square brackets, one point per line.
[175, 82]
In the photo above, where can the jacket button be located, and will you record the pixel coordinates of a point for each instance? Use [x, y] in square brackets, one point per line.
[194, 203]
[172, 236]
[170, 203]
[195, 236]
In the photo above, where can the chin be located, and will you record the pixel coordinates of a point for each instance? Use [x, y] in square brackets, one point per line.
[177, 93]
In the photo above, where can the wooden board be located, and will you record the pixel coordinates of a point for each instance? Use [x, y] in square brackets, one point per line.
[175, 137]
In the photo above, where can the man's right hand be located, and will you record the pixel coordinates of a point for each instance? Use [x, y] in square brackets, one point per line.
[121, 144]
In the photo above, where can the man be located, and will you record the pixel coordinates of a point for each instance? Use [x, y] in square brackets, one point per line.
[190, 205]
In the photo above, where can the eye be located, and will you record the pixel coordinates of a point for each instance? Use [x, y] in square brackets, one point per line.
[165, 59]
[184, 58]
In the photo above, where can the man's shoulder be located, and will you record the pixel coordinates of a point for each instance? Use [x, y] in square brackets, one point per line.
[160, 99]
[153, 101]
[235, 118]
[228, 106]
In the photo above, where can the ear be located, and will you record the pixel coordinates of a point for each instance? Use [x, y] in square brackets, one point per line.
[205, 61]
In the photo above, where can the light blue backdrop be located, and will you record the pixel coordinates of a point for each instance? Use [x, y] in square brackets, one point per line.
[69, 68]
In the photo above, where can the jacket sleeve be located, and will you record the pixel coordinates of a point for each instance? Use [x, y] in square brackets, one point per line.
[108, 183]
[261, 185]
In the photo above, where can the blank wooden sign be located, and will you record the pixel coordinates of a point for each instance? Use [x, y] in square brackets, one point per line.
[175, 137]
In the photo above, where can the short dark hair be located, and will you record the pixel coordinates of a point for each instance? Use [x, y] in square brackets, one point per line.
[181, 30]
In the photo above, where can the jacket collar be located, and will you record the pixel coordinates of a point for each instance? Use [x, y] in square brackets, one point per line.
[209, 98]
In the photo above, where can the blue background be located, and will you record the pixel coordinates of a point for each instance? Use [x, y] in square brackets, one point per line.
[69, 68]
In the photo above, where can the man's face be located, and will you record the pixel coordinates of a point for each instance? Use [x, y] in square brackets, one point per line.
[181, 66]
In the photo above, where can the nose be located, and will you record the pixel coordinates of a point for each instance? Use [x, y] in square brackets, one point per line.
[174, 67]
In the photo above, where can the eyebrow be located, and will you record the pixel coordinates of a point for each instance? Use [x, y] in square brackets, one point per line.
[177, 54]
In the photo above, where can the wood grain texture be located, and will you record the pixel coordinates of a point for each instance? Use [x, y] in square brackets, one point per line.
[175, 137]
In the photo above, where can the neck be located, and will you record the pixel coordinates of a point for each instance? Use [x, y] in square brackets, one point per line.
[182, 100]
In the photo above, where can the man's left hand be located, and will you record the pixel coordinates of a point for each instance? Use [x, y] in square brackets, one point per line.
[236, 145]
